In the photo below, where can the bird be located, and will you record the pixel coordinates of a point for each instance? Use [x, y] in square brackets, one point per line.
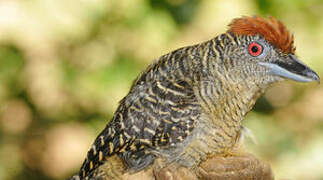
[190, 103]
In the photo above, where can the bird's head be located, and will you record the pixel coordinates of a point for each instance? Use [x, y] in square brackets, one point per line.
[264, 48]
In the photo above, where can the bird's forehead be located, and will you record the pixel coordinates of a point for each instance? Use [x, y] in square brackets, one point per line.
[271, 30]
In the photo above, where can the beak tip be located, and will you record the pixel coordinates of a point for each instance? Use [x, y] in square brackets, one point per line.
[315, 77]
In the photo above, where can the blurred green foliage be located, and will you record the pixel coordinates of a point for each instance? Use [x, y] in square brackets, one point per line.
[181, 11]
[11, 65]
[64, 65]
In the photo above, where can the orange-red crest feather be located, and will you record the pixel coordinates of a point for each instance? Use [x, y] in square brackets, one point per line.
[271, 29]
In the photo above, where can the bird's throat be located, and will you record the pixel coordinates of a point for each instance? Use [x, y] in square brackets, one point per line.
[229, 106]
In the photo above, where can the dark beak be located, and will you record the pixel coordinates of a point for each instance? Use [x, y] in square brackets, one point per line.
[292, 68]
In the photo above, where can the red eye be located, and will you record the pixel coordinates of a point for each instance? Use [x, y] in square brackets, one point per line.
[254, 49]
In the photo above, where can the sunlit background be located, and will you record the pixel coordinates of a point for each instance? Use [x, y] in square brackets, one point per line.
[64, 65]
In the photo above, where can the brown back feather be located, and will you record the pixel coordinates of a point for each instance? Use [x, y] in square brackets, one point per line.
[274, 31]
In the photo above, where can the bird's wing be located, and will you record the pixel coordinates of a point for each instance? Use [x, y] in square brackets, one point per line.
[165, 116]
[178, 114]
[155, 114]
[163, 113]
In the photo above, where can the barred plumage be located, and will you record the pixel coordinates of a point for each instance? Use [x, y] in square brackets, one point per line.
[187, 105]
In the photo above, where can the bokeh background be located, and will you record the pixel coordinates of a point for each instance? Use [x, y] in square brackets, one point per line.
[64, 65]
